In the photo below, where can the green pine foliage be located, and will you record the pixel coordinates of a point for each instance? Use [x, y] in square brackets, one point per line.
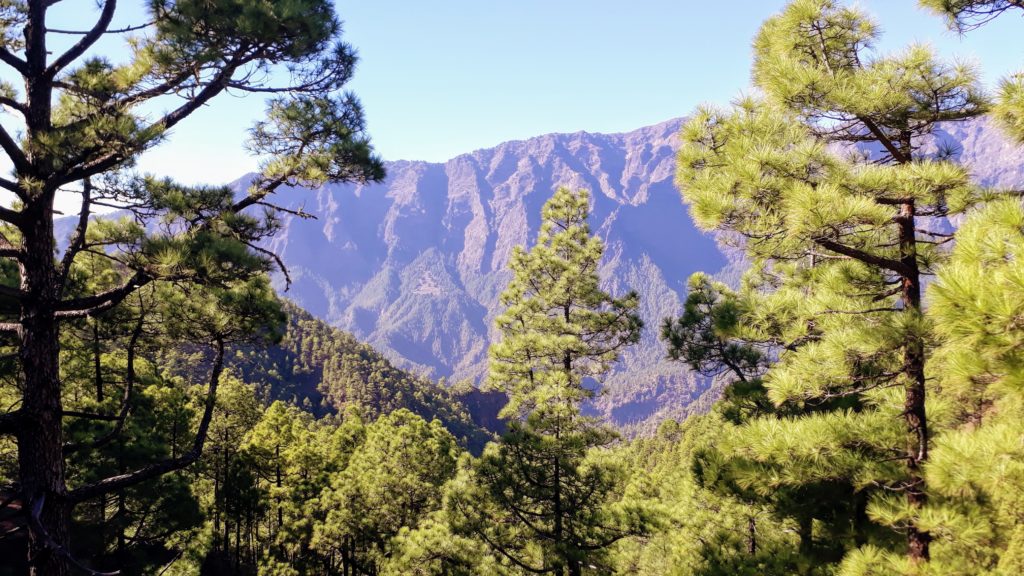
[185, 264]
[327, 370]
[978, 463]
[183, 420]
[701, 528]
[836, 233]
[548, 497]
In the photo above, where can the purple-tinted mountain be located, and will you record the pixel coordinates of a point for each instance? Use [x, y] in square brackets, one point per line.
[414, 266]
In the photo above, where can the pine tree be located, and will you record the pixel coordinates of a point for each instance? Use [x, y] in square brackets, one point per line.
[732, 333]
[84, 120]
[827, 183]
[545, 493]
[977, 464]
[392, 481]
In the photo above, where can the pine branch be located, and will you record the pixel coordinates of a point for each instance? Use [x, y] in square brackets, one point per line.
[14, 104]
[169, 120]
[78, 240]
[13, 151]
[13, 61]
[866, 257]
[157, 469]
[89, 305]
[89, 415]
[134, 28]
[277, 261]
[8, 215]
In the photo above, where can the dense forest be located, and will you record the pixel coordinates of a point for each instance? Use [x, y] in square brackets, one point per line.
[165, 412]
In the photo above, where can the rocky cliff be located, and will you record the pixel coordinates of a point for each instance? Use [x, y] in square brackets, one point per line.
[414, 266]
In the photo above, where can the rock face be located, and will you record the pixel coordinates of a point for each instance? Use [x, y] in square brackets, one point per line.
[414, 266]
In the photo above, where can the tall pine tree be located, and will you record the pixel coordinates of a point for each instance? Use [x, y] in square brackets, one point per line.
[830, 184]
[545, 500]
[78, 121]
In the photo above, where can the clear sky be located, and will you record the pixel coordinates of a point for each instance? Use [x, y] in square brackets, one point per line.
[442, 78]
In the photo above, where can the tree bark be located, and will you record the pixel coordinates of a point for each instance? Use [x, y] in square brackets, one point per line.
[914, 369]
[40, 439]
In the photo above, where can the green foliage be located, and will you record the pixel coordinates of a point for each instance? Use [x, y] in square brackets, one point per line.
[978, 464]
[183, 269]
[705, 335]
[1009, 108]
[701, 529]
[393, 480]
[329, 369]
[823, 182]
[548, 496]
[558, 326]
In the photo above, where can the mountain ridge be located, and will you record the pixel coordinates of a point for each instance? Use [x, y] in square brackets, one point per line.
[414, 266]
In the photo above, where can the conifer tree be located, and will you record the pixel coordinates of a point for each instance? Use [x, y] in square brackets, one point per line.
[78, 121]
[827, 181]
[723, 331]
[392, 481]
[976, 303]
[544, 500]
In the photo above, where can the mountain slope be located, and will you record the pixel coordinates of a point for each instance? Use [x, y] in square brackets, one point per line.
[327, 370]
[414, 266]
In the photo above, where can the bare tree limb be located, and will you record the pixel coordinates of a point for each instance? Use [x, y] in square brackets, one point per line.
[89, 305]
[85, 42]
[13, 61]
[12, 186]
[13, 151]
[14, 104]
[78, 239]
[277, 261]
[134, 28]
[868, 258]
[12, 327]
[10, 216]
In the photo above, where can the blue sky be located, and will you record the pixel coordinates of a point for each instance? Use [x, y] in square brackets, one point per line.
[443, 78]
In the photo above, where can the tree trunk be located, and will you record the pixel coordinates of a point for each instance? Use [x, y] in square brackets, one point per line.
[913, 367]
[96, 359]
[40, 441]
[277, 483]
[751, 536]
